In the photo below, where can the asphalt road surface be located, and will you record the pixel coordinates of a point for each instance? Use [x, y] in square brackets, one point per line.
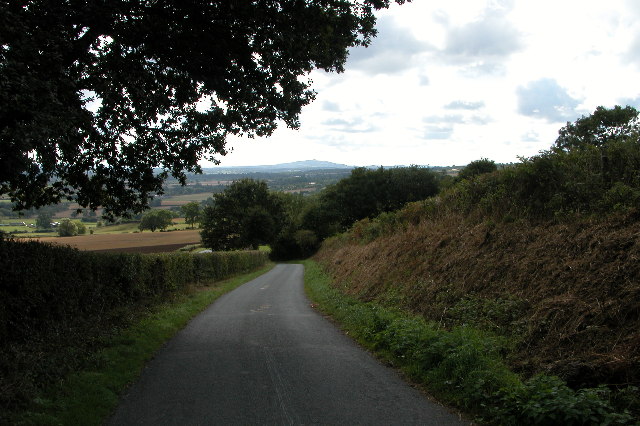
[261, 355]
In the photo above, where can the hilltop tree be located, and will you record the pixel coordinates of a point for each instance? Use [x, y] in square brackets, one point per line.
[477, 167]
[156, 219]
[244, 215]
[81, 227]
[95, 95]
[367, 193]
[600, 127]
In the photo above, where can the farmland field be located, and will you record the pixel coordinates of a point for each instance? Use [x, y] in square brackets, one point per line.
[141, 242]
[179, 200]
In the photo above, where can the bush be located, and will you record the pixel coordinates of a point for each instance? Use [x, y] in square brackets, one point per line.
[545, 400]
[476, 168]
[67, 228]
[294, 244]
[51, 295]
[81, 228]
[593, 180]
[156, 219]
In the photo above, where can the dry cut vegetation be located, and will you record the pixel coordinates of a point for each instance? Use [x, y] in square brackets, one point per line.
[567, 295]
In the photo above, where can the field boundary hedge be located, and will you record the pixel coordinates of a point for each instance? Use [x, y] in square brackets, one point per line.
[56, 302]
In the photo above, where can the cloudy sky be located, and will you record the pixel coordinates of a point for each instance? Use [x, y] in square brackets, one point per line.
[451, 81]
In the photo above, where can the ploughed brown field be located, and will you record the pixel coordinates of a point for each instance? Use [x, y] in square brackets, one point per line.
[142, 242]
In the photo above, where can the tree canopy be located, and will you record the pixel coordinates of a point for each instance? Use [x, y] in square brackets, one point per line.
[244, 215]
[602, 126]
[67, 228]
[44, 221]
[477, 167]
[367, 193]
[156, 219]
[191, 213]
[100, 101]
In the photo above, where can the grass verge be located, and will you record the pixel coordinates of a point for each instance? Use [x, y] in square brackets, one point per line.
[89, 396]
[463, 366]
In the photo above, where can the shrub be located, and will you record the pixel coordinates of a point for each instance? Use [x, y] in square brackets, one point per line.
[156, 219]
[55, 297]
[593, 180]
[81, 227]
[67, 228]
[544, 400]
[478, 167]
[294, 243]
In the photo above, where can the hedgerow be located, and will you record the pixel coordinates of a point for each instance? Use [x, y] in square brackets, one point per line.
[555, 184]
[57, 302]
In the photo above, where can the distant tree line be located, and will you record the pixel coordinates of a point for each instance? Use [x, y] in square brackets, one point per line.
[247, 214]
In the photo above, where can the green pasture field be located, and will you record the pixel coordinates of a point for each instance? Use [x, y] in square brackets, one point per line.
[30, 231]
[185, 198]
[126, 228]
[122, 228]
[22, 230]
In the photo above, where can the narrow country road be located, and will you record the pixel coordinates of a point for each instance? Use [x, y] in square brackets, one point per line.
[261, 355]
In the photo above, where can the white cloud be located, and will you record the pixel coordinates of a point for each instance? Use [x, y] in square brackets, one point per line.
[492, 38]
[530, 136]
[464, 105]
[544, 98]
[438, 132]
[391, 52]
[353, 125]
[331, 106]
[451, 118]
[481, 46]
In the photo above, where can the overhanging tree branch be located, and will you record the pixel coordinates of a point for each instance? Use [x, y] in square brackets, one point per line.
[148, 63]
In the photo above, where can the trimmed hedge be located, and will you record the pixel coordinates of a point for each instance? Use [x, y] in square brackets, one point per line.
[57, 304]
[44, 284]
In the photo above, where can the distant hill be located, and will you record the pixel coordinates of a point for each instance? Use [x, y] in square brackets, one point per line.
[284, 167]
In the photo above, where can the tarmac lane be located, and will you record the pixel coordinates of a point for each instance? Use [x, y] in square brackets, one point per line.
[260, 355]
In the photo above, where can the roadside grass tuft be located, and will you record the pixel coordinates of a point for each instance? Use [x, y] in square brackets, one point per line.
[89, 396]
[462, 366]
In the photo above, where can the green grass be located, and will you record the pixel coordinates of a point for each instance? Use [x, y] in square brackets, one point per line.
[89, 396]
[115, 229]
[127, 228]
[463, 367]
[12, 228]
[122, 228]
[199, 196]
